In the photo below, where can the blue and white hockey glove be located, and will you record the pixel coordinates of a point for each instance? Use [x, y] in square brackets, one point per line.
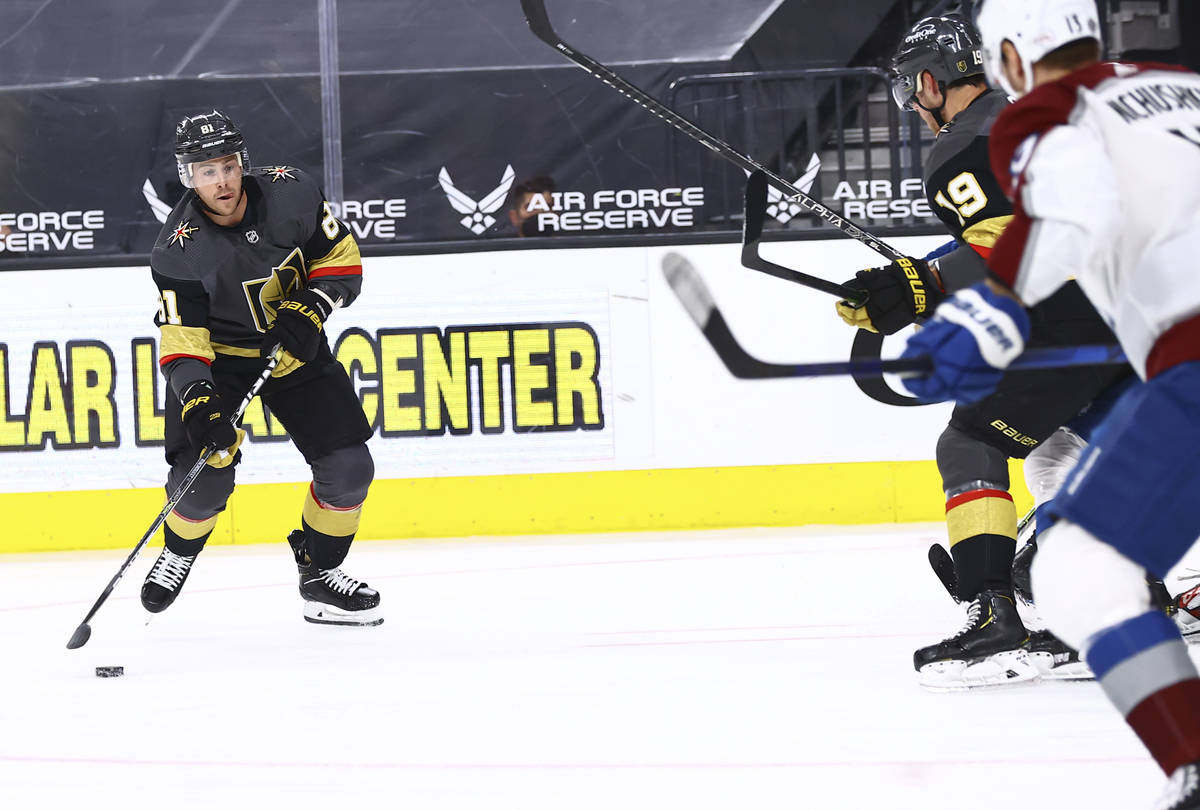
[971, 339]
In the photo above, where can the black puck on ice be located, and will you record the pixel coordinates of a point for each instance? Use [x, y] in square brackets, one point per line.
[110, 672]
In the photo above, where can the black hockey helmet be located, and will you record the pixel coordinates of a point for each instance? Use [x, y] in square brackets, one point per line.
[205, 137]
[949, 47]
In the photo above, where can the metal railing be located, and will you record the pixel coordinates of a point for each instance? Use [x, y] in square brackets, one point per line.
[869, 154]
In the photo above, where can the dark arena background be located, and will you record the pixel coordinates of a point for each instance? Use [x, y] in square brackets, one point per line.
[625, 562]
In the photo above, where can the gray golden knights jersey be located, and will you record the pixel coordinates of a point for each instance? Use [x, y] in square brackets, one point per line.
[219, 286]
[963, 191]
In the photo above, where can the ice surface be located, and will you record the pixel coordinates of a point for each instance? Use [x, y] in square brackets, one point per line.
[753, 669]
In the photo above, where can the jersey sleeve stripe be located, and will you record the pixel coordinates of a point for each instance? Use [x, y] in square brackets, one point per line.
[343, 260]
[348, 270]
[983, 235]
[185, 341]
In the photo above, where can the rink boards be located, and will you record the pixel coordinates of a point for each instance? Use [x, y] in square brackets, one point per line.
[511, 392]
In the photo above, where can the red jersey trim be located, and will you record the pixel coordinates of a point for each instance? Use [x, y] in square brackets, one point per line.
[1179, 344]
[347, 270]
[1049, 106]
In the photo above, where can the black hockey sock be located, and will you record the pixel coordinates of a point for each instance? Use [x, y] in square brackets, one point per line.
[983, 562]
[325, 551]
[184, 547]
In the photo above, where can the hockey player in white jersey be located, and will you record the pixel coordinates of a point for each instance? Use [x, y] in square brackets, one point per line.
[1102, 161]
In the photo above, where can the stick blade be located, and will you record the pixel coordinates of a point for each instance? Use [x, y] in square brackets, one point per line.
[943, 566]
[688, 287]
[753, 215]
[80, 637]
[539, 21]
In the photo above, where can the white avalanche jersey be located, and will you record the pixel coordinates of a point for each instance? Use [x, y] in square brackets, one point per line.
[1104, 169]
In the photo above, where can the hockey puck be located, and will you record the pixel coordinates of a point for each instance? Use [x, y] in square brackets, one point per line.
[110, 672]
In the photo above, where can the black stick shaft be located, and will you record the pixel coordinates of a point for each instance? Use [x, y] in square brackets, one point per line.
[754, 213]
[83, 632]
[693, 293]
[539, 23]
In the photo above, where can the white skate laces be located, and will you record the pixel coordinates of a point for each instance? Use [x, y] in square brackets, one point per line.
[973, 611]
[338, 581]
[170, 569]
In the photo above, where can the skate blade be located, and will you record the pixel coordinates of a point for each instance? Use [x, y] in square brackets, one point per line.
[1067, 671]
[1009, 668]
[319, 613]
[1189, 626]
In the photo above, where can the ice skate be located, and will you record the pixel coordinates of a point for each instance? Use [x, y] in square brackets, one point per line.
[988, 651]
[165, 580]
[1187, 614]
[1183, 789]
[330, 595]
[1022, 561]
[1054, 659]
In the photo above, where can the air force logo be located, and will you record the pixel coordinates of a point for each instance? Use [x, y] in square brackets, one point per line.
[783, 209]
[478, 214]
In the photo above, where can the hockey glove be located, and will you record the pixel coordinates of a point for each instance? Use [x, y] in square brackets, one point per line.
[299, 321]
[899, 294]
[206, 423]
[971, 339]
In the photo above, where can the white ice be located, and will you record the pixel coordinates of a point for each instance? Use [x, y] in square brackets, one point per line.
[754, 669]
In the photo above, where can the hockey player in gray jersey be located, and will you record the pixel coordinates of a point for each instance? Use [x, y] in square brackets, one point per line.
[247, 260]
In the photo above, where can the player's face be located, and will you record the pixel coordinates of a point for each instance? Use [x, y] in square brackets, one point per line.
[930, 96]
[218, 183]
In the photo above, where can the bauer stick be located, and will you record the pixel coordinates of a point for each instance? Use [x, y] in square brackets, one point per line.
[754, 214]
[84, 631]
[539, 23]
[699, 303]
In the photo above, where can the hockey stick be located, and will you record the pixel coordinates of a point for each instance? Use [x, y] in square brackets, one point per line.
[699, 303]
[84, 631]
[539, 23]
[942, 562]
[754, 215]
[943, 567]
[867, 344]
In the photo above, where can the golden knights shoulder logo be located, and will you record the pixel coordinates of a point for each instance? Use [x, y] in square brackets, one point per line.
[183, 230]
[279, 173]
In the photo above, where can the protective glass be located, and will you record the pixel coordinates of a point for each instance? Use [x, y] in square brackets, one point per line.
[225, 169]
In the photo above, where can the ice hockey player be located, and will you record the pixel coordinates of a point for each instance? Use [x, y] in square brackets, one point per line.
[1102, 159]
[249, 259]
[938, 72]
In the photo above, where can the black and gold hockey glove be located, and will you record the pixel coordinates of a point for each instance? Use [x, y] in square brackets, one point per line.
[899, 294]
[299, 321]
[206, 422]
